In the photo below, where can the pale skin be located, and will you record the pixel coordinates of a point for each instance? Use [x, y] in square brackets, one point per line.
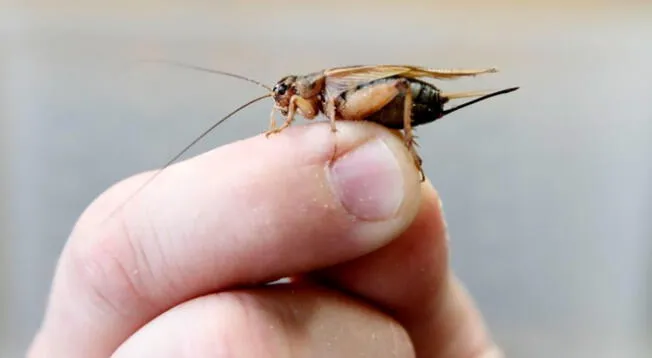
[179, 272]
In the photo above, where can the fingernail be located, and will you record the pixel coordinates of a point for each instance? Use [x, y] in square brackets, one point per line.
[369, 181]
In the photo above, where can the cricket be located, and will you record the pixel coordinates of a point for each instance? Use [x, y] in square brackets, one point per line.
[393, 96]
[390, 95]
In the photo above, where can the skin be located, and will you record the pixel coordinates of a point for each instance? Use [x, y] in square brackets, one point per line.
[179, 272]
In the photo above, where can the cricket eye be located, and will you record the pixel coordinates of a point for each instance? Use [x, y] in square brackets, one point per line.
[281, 88]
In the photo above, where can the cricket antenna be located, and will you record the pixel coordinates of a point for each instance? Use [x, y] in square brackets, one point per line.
[184, 150]
[487, 96]
[210, 70]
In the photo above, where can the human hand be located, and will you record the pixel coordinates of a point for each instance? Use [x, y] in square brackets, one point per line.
[181, 271]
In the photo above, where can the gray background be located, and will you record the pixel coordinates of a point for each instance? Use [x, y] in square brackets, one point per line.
[547, 190]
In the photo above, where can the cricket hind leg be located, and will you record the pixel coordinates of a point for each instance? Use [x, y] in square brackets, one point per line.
[363, 103]
[408, 132]
[418, 162]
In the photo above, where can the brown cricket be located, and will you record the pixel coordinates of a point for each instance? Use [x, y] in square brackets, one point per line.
[391, 95]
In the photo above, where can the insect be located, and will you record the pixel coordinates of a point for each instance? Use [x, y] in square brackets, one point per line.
[390, 95]
[394, 96]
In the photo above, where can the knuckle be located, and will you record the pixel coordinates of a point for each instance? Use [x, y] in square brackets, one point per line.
[105, 266]
[107, 261]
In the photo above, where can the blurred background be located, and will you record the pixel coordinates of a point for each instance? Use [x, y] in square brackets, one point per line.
[547, 190]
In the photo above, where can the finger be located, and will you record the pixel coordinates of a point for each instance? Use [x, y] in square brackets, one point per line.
[245, 213]
[411, 279]
[273, 322]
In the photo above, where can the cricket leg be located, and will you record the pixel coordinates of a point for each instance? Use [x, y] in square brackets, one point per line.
[409, 135]
[330, 111]
[361, 103]
[307, 109]
[418, 162]
[272, 119]
[332, 121]
[358, 104]
[292, 108]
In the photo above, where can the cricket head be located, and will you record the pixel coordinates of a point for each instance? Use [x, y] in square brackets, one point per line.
[283, 91]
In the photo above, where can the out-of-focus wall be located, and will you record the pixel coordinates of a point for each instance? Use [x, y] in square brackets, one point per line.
[4, 204]
[546, 190]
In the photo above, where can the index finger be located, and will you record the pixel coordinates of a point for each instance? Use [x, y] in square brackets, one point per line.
[246, 213]
[411, 279]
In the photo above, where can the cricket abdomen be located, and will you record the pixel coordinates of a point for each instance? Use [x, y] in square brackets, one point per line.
[427, 104]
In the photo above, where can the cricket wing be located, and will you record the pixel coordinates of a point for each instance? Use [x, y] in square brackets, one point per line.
[344, 78]
[341, 79]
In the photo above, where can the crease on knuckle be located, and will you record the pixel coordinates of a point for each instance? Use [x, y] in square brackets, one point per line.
[105, 265]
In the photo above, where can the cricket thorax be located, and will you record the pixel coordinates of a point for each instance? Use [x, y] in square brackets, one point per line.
[309, 86]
